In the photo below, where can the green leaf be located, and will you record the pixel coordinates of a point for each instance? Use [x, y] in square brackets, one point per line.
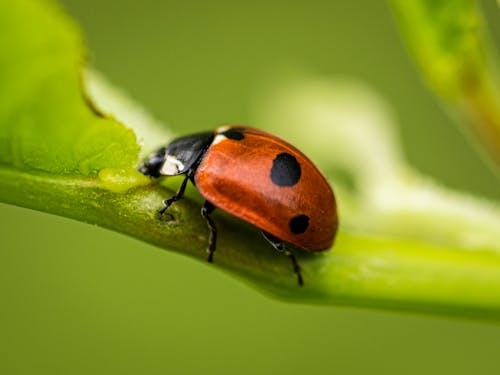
[404, 242]
[45, 123]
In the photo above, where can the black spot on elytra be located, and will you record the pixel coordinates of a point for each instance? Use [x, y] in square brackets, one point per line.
[286, 170]
[299, 224]
[234, 133]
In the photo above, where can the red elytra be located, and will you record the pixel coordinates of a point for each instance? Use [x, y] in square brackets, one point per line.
[235, 176]
[257, 177]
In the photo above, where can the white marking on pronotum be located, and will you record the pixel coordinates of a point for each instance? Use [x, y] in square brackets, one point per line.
[171, 166]
[222, 129]
[218, 138]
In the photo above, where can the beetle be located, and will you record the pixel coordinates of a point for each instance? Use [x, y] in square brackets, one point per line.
[257, 177]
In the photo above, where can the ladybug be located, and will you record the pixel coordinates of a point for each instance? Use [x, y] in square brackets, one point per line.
[257, 177]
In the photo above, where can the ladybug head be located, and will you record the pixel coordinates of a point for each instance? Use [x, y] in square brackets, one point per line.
[181, 156]
[153, 163]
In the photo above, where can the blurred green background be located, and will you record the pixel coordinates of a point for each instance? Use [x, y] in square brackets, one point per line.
[78, 299]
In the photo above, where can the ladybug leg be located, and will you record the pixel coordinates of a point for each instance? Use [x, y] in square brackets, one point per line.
[280, 246]
[295, 265]
[206, 210]
[176, 197]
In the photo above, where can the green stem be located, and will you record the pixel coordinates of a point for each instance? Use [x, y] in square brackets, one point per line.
[481, 107]
[387, 273]
[449, 40]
